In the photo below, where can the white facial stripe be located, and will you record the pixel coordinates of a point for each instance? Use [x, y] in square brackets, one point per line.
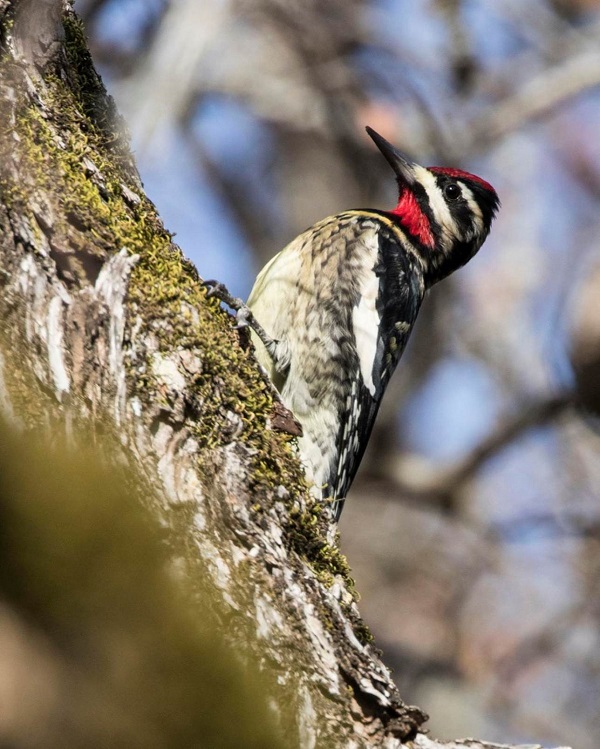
[438, 204]
[473, 207]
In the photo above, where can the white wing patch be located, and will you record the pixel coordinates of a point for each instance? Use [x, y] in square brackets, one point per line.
[365, 318]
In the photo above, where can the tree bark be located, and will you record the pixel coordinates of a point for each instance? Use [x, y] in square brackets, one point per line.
[106, 324]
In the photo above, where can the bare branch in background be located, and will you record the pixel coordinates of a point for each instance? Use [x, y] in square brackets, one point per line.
[537, 98]
[162, 86]
[419, 480]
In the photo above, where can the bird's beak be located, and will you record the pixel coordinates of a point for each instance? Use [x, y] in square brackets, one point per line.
[404, 169]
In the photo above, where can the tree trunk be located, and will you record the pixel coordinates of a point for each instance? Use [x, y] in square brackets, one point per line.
[106, 324]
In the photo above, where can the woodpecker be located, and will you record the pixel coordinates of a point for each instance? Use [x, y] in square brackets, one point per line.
[332, 312]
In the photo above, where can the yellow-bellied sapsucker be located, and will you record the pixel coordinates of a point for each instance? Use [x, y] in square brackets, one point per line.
[332, 312]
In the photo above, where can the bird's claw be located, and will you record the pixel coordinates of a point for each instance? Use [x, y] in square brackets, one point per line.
[221, 292]
[213, 287]
[243, 317]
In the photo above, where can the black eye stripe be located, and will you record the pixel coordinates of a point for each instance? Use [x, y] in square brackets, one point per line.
[425, 205]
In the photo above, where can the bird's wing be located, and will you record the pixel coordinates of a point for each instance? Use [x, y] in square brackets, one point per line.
[381, 323]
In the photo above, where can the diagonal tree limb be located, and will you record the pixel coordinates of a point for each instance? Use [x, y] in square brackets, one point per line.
[432, 487]
[535, 99]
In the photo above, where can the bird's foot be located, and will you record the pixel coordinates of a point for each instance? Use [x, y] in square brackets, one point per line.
[220, 291]
[243, 315]
[245, 318]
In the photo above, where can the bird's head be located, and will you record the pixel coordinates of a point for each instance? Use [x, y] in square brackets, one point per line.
[446, 212]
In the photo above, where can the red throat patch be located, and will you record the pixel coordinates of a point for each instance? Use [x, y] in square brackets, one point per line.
[413, 219]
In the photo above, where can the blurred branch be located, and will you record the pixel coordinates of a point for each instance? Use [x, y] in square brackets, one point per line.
[532, 648]
[535, 99]
[547, 31]
[421, 481]
[162, 86]
[463, 63]
[545, 525]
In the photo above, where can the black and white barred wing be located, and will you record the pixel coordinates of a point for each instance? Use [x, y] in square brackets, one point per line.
[382, 319]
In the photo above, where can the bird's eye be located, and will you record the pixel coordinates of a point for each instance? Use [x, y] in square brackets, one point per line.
[452, 191]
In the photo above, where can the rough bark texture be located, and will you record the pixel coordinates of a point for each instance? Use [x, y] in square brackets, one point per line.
[106, 324]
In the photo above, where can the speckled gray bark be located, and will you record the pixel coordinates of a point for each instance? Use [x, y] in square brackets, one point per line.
[74, 333]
